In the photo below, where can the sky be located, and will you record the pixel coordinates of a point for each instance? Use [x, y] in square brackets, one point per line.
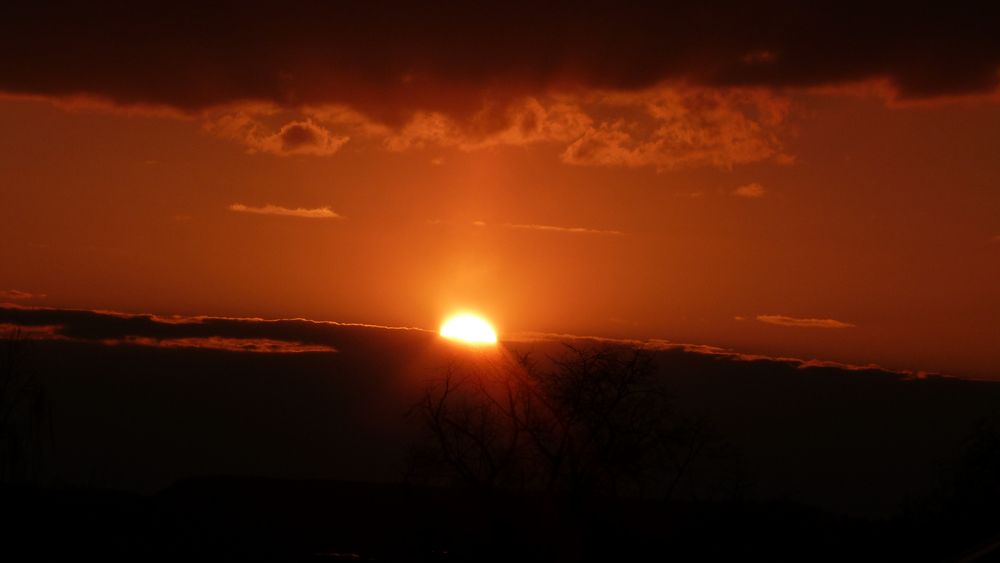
[817, 181]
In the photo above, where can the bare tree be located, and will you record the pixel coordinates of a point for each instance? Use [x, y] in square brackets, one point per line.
[596, 422]
[974, 476]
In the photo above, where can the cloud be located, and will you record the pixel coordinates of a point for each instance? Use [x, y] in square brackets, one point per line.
[255, 335]
[570, 230]
[782, 320]
[237, 344]
[300, 137]
[251, 345]
[392, 59]
[19, 295]
[752, 190]
[552, 229]
[111, 328]
[14, 329]
[515, 122]
[316, 213]
[719, 353]
[675, 126]
[995, 239]
[662, 85]
[303, 137]
[666, 126]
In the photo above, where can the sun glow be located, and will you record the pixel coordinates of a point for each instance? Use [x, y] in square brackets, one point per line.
[470, 329]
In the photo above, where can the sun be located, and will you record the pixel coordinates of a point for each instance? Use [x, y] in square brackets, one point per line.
[470, 329]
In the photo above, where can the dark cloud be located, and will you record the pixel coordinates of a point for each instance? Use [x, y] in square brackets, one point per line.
[391, 58]
[301, 335]
[217, 333]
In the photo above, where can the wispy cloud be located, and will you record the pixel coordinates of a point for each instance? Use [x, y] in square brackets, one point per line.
[557, 229]
[752, 190]
[315, 213]
[18, 294]
[782, 320]
[995, 239]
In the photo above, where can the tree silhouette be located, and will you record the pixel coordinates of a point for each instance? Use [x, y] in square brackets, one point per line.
[974, 480]
[596, 422]
[23, 412]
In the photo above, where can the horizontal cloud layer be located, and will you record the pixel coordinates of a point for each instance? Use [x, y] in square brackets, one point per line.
[212, 333]
[557, 229]
[317, 213]
[782, 320]
[389, 59]
[252, 335]
[19, 295]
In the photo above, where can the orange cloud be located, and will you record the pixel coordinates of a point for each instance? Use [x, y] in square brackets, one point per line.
[680, 126]
[782, 320]
[299, 137]
[316, 213]
[752, 190]
[519, 122]
[666, 126]
[570, 230]
[19, 295]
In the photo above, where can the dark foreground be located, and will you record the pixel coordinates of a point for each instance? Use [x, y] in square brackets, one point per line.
[250, 519]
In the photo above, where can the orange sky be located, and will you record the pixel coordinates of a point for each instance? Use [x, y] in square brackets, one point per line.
[723, 214]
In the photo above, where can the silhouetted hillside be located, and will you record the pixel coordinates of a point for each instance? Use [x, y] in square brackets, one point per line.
[272, 520]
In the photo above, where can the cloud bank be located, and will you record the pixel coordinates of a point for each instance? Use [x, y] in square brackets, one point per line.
[284, 336]
[209, 333]
[387, 58]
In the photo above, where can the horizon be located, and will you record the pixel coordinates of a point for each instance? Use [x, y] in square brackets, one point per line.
[30, 330]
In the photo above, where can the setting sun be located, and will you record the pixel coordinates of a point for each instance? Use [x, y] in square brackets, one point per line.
[470, 329]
